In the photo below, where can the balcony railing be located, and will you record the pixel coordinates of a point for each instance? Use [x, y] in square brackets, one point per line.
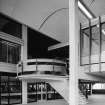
[42, 66]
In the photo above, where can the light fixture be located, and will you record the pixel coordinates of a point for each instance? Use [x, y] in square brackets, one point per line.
[87, 13]
[103, 31]
[84, 10]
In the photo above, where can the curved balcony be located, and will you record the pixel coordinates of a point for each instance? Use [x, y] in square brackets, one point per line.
[42, 66]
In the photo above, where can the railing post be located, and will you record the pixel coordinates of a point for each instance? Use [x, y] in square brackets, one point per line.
[22, 66]
[36, 65]
[100, 42]
[53, 65]
[17, 67]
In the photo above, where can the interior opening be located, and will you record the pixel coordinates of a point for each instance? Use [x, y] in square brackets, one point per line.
[38, 44]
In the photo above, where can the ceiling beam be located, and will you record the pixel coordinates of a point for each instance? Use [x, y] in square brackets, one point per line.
[58, 46]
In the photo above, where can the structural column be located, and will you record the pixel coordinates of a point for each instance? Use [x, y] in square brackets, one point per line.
[24, 92]
[74, 51]
[24, 48]
[24, 57]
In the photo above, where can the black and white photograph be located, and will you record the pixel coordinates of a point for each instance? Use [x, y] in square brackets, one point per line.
[52, 52]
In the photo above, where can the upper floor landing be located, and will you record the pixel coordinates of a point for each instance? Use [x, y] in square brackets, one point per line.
[92, 45]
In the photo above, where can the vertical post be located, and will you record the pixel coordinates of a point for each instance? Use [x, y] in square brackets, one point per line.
[21, 91]
[36, 65]
[24, 92]
[90, 45]
[53, 65]
[24, 58]
[90, 88]
[100, 43]
[46, 91]
[81, 46]
[24, 48]
[36, 92]
[0, 89]
[74, 51]
[8, 90]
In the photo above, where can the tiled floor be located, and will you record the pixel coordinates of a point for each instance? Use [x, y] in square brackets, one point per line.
[96, 100]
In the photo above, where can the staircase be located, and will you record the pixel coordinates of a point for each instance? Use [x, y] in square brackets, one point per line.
[62, 87]
[82, 98]
[59, 82]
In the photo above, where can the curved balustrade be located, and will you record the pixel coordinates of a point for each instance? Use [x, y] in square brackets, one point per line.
[42, 66]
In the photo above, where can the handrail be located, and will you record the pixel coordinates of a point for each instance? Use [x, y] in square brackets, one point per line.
[42, 65]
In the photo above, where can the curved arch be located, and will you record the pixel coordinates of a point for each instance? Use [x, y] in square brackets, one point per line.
[50, 16]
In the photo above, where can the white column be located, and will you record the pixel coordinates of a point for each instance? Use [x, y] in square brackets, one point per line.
[24, 92]
[24, 48]
[23, 58]
[74, 51]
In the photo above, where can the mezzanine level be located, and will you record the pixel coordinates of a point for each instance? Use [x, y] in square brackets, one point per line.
[92, 46]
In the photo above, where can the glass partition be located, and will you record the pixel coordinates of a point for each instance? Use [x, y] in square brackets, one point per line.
[92, 46]
[95, 47]
[3, 51]
[10, 90]
[40, 91]
[14, 90]
[85, 46]
[103, 43]
[4, 90]
[32, 92]
[9, 52]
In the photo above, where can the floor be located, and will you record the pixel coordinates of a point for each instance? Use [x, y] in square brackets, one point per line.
[54, 102]
[92, 100]
[96, 100]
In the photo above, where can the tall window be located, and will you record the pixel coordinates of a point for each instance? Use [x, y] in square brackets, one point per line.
[85, 46]
[9, 52]
[10, 26]
[10, 90]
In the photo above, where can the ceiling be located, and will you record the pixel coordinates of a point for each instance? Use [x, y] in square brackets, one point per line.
[50, 17]
[97, 7]
[34, 12]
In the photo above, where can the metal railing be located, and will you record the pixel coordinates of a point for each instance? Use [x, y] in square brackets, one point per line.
[42, 66]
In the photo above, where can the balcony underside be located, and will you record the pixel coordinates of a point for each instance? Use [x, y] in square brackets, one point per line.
[40, 77]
